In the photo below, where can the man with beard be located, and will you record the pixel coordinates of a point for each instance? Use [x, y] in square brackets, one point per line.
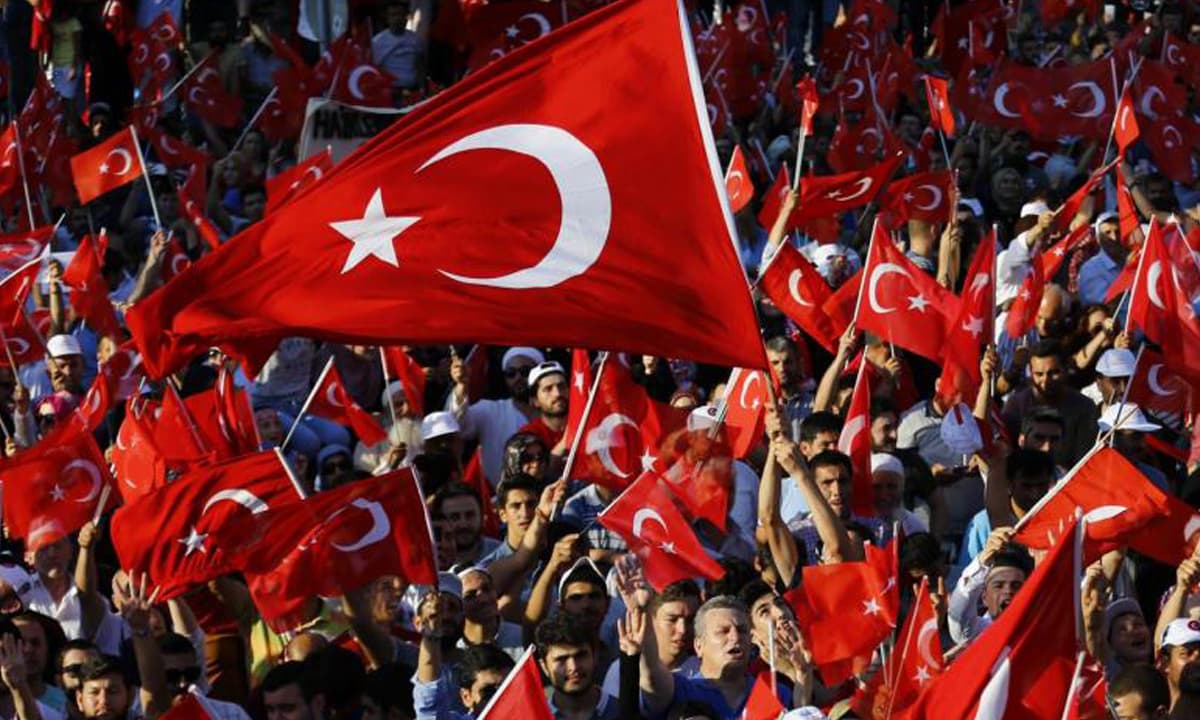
[458, 508]
[583, 597]
[795, 388]
[1179, 660]
[567, 652]
[1048, 387]
[480, 672]
[548, 393]
[493, 422]
[987, 586]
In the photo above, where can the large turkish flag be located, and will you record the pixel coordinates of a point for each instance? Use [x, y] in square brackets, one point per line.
[567, 194]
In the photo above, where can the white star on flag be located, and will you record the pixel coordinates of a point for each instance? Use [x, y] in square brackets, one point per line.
[668, 548]
[512, 31]
[908, 197]
[1060, 101]
[103, 168]
[918, 303]
[194, 541]
[648, 461]
[373, 233]
[870, 607]
[922, 675]
[974, 326]
[57, 493]
[579, 381]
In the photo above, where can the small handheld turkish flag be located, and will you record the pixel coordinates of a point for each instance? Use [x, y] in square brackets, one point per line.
[646, 517]
[941, 114]
[401, 366]
[111, 164]
[89, 292]
[738, 185]
[330, 400]
[746, 403]
[1125, 125]
[830, 194]
[855, 441]
[1155, 386]
[520, 695]
[810, 101]
[51, 489]
[901, 303]
[799, 291]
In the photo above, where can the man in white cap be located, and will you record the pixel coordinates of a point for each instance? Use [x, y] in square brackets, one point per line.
[440, 432]
[1097, 273]
[549, 395]
[1113, 370]
[1180, 651]
[1129, 426]
[1014, 263]
[887, 481]
[493, 422]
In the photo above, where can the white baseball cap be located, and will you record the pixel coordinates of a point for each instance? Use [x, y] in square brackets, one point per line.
[884, 462]
[1037, 207]
[437, 424]
[1182, 631]
[63, 346]
[702, 418]
[1126, 416]
[1116, 363]
[543, 369]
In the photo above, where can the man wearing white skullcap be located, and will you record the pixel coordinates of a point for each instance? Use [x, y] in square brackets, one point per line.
[494, 421]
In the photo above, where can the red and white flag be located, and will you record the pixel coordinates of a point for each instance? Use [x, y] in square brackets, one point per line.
[331, 401]
[89, 291]
[941, 112]
[916, 662]
[795, 287]
[810, 102]
[1155, 386]
[204, 94]
[401, 366]
[843, 609]
[286, 184]
[926, 196]
[520, 695]
[52, 489]
[738, 184]
[901, 303]
[115, 162]
[831, 194]
[1125, 125]
[746, 405]
[646, 517]
[378, 221]
[973, 328]
[855, 441]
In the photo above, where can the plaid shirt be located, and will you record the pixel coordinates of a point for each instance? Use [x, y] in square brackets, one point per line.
[805, 530]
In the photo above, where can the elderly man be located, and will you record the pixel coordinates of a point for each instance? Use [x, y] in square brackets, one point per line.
[1098, 272]
[724, 682]
[493, 422]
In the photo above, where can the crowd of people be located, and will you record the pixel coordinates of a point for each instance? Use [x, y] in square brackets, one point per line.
[514, 483]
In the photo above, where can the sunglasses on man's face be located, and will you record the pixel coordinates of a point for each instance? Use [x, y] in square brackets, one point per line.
[182, 675]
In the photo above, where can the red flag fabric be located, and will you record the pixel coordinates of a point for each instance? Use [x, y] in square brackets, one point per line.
[1118, 500]
[1023, 665]
[1022, 314]
[581, 385]
[646, 517]
[915, 663]
[473, 477]
[195, 215]
[1127, 214]
[941, 112]
[337, 541]
[520, 695]
[799, 291]
[738, 184]
[901, 303]
[1126, 126]
[357, 80]
[855, 441]
[1049, 102]
[89, 292]
[623, 431]
[842, 609]
[18, 249]
[173, 152]
[925, 196]
[331, 401]
[109, 165]
[137, 462]
[973, 326]
[746, 403]
[286, 184]
[1161, 309]
[830, 194]
[762, 703]
[358, 238]
[191, 707]
[402, 367]
[773, 198]
[204, 94]
[51, 490]
[810, 102]
[1154, 386]
[173, 532]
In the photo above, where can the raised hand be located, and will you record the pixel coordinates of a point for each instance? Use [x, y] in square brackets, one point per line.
[12, 662]
[631, 582]
[631, 630]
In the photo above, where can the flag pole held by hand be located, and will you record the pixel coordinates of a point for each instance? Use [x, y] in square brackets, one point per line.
[583, 419]
[137, 145]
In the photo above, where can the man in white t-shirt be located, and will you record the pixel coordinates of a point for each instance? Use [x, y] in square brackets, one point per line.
[399, 50]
